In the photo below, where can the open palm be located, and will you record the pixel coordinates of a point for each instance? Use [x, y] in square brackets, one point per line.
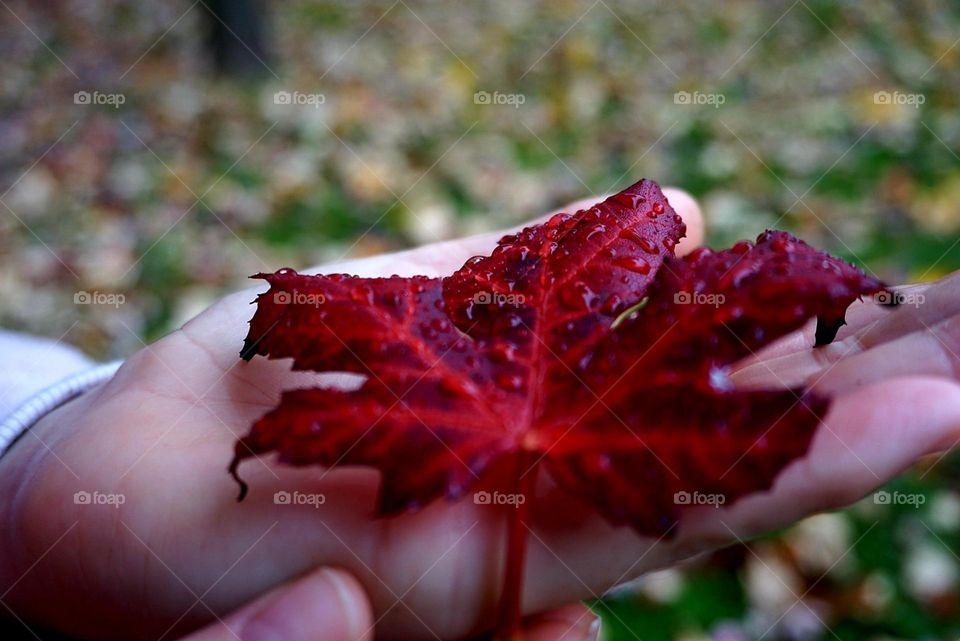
[180, 551]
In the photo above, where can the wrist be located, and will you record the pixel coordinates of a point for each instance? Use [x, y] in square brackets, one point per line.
[20, 469]
[31, 436]
[44, 401]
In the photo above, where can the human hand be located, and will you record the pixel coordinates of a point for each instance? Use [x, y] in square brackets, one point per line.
[161, 432]
[180, 551]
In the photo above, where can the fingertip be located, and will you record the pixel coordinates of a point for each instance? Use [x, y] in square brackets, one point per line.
[327, 603]
[355, 602]
[873, 433]
[868, 436]
[444, 257]
[906, 417]
[688, 209]
[574, 622]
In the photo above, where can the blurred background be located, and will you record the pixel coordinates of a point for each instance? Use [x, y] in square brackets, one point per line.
[154, 155]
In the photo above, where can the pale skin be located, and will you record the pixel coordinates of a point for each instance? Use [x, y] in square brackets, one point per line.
[181, 553]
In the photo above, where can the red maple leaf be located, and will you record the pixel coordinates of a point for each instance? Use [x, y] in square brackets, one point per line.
[581, 345]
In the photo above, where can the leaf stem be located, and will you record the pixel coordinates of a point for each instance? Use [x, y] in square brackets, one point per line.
[510, 610]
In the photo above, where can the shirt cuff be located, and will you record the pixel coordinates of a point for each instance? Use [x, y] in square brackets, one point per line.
[33, 364]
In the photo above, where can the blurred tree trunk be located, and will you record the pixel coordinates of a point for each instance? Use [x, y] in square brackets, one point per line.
[237, 36]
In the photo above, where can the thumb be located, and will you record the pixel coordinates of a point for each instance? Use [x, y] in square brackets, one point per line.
[325, 605]
[442, 258]
[682, 202]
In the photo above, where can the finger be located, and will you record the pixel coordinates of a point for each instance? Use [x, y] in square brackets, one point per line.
[792, 360]
[919, 308]
[569, 623]
[933, 351]
[325, 605]
[869, 436]
[440, 259]
[682, 202]
[918, 337]
[860, 314]
[799, 365]
[868, 324]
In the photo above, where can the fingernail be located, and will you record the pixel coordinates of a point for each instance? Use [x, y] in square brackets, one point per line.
[569, 623]
[586, 629]
[593, 634]
[321, 603]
